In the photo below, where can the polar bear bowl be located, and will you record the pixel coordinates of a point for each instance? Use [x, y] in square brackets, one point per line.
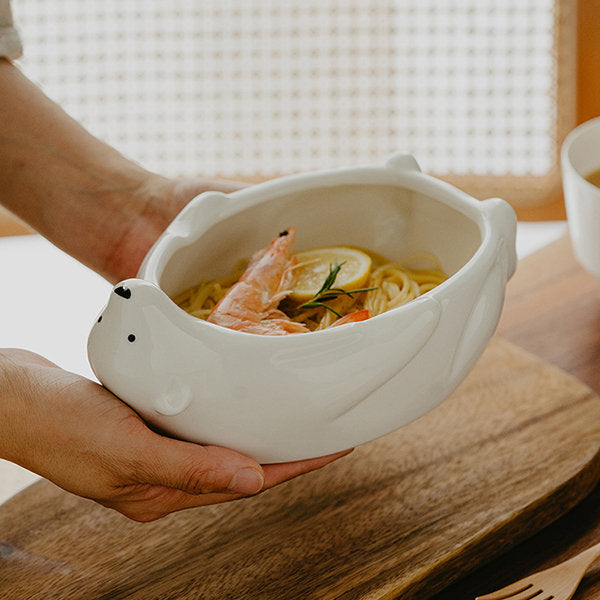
[286, 398]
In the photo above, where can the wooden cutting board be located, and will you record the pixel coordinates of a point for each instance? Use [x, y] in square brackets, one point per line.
[516, 446]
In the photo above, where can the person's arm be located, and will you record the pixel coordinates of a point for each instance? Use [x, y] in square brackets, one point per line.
[77, 191]
[105, 211]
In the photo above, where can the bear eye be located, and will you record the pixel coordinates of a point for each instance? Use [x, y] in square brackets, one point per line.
[131, 337]
[99, 318]
[123, 291]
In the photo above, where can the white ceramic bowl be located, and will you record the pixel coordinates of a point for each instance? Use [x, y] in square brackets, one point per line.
[298, 396]
[580, 156]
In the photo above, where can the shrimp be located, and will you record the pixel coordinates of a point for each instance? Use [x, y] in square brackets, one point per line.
[250, 305]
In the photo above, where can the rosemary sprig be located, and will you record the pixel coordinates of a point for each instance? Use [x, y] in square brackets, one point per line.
[327, 292]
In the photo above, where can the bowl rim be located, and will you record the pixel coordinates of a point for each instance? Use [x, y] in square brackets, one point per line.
[408, 176]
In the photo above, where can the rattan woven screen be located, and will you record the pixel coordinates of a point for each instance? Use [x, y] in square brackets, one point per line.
[480, 91]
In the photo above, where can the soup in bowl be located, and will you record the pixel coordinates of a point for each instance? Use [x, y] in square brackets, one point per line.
[300, 395]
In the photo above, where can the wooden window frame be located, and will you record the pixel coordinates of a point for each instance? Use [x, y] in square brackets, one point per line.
[588, 96]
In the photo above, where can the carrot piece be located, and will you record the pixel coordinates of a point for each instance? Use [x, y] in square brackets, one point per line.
[358, 315]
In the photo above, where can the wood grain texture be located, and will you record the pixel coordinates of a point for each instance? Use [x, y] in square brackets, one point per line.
[553, 310]
[514, 448]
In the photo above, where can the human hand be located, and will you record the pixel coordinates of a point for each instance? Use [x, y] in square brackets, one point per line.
[84, 439]
[144, 213]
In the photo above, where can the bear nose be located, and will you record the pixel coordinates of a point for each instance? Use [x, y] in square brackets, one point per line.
[123, 291]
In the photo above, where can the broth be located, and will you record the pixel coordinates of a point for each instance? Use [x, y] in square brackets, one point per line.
[594, 177]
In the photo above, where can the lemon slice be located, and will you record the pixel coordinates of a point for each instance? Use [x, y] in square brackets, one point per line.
[314, 266]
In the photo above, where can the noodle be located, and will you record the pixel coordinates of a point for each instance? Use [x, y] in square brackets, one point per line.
[395, 283]
[202, 298]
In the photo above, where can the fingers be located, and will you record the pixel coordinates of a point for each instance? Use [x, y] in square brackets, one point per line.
[198, 469]
[178, 475]
[186, 189]
[225, 185]
[160, 475]
[146, 502]
[149, 503]
[277, 473]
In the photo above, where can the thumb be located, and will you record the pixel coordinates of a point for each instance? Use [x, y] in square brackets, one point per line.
[197, 469]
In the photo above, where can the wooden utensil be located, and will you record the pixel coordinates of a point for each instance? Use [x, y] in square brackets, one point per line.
[556, 583]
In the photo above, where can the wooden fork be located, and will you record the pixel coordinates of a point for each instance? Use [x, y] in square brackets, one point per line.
[556, 583]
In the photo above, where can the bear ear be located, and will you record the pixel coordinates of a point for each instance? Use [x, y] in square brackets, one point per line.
[123, 291]
[141, 291]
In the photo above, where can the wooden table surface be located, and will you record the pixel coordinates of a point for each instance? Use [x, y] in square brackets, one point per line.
[552, 310]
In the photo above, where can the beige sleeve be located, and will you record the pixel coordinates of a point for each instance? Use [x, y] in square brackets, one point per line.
[10, 43]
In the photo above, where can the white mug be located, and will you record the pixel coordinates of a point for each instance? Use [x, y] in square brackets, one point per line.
[580, 156]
